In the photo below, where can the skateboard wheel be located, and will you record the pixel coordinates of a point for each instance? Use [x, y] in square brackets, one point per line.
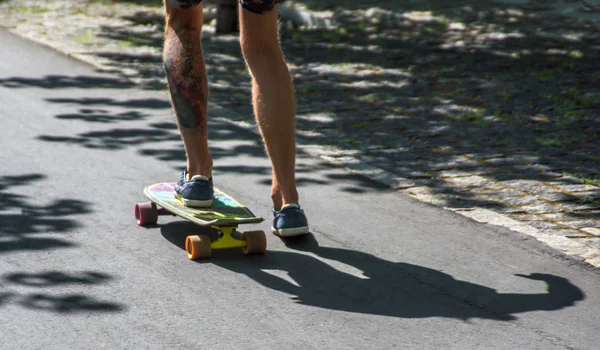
[197, 247]
[257, 242]
[146, 213]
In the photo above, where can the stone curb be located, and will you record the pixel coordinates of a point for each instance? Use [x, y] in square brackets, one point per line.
[338, 157]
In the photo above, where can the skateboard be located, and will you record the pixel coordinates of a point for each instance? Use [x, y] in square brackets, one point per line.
[224, 216]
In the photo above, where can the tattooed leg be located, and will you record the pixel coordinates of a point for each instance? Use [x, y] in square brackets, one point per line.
[187, 81]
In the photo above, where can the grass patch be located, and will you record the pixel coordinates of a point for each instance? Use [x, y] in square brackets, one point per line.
[362, 25]
[556, 141]
[550, 142]
[125, 44]
[459, 92]
[475, 116]
[588, 200]
[588, 180]
[347, 141]
[546, 74]
[309, 88]
[84, 38]
[331, 37]
[361, 125]
[29, 9]
[578, 99]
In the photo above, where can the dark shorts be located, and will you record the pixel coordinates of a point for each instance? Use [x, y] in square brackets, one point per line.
[256, 6]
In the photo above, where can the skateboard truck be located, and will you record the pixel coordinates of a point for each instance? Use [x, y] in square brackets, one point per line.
[251, 242]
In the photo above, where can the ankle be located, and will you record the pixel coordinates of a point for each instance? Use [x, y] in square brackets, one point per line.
[203, 170]
[277, 200]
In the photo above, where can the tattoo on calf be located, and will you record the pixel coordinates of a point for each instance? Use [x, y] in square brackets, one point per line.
[186, 77]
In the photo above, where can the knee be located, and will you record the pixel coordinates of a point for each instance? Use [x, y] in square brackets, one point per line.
[184, 14]
[257, 49]
[182, 4]
[258, 6]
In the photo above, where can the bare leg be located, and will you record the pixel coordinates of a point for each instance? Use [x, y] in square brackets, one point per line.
[187, 80]
[273, 100]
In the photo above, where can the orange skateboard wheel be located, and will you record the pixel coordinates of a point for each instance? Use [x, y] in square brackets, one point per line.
[198, 247]
[256, 242]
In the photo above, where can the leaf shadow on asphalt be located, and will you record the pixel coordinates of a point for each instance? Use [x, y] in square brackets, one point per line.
[31, 228]
[385, 288]
[59, 303]
[23, 225]
[159, 137]
[65, 82]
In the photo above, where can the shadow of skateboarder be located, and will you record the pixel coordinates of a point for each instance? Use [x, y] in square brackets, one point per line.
[315, 276]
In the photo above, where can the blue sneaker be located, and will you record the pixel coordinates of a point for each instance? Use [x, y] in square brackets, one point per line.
[289, 221]
[196, 192]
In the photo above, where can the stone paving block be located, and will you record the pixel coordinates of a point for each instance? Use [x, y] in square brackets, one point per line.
[471, 181]
[592, 230]
[567, 233]
[441, 165]
[503, 161]
[398, 154]
[531, 172]
[581, 223]
[575, 188]
[569, 216]
[452, 173]
[541, 208]
[520, 201]
[488, 186]
[466, 164]
[409, 173]
[483, 170]
[557, 197]
[544, 225]
[500, 176]
[510, 210]
[531, 186]
[542, 175]
[543, 190]
[591, 195]
[374, 160]
[503, 192]
[574, 206]
[526, 158]
[525, 217]
[346, 153]
[566, 180]
[478, 202]
[485, 156]
[590, 242]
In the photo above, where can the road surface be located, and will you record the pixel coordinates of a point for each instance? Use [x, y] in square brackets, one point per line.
[380, 271]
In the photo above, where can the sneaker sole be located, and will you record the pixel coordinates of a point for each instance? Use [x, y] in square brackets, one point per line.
[194, 203]
[290, 232]
[197, 204]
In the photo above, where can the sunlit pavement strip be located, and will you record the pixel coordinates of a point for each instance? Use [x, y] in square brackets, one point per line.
[586, 230]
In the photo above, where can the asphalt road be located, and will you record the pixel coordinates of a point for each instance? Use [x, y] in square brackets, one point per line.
[380, 271]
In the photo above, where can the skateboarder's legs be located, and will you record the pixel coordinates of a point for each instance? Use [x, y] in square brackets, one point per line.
[272, 92]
